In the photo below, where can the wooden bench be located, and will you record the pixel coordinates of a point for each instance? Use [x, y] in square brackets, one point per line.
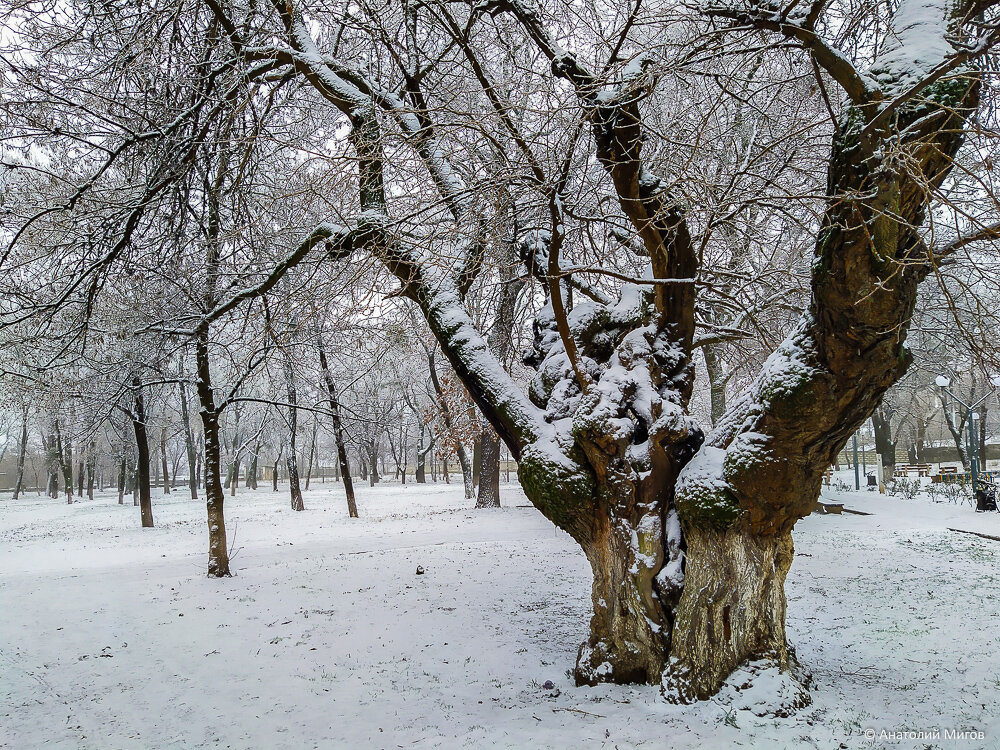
[826, 507]
[903, 470]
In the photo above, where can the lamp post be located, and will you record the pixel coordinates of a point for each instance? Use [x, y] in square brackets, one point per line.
[857, 476]
[944, 382]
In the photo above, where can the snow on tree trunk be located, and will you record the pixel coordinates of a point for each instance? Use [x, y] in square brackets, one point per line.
[602, 435]
[732, 611]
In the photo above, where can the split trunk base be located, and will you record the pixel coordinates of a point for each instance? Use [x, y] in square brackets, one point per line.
[730, 619]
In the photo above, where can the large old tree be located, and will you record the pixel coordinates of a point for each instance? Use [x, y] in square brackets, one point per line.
[474, 128]
[689, 535]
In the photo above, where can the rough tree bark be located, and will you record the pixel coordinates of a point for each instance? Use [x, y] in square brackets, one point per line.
[689, 538]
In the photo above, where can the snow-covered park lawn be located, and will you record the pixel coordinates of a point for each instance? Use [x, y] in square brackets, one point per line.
[111, 636]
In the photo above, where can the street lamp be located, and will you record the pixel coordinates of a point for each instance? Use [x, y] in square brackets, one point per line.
[944, 382]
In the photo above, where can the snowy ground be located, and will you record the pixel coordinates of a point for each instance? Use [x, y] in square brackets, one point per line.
[112, 637]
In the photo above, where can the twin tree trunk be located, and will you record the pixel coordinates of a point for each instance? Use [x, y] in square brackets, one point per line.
[691, 619]
[689, 538]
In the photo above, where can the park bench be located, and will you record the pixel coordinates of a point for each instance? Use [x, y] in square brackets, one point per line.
[825, 507]
[921, 470]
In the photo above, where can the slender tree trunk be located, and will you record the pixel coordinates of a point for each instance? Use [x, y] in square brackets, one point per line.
[489, 472]
[477, 459]
[884, 444]
[51, 465]
[466, 463]
[218, 552]
[91, 462]
[338, 433]
[252, 469]
[420, 474]
[717, 379]
[500, 343]
[201, 476]
[163, 459]
[21, 453]
[312, 454]
[295, 491]
[277, 462]
[463, 457]
[80, 478]
[406, 456]
[142, 456]
[373, 476]
[66, 466]
[957, 430]
[122, 468]
[233, 477]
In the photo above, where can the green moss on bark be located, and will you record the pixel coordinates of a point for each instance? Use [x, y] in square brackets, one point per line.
[712, 507]
[555, 485]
